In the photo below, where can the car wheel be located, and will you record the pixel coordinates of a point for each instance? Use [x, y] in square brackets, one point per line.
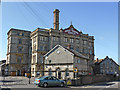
[45, 85]
[62, 84]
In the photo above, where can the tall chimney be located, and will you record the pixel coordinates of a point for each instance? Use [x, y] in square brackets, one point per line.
[56, 19]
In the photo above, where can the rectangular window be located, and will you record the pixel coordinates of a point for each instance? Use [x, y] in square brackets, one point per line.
[65, 39]
[41, 38]
[77, 40]
[78, 60]
[34, 59]
[19, 49]
[20, 41]
[85, 50]
[19, 59]
[84, 42]
[90, 52]
[45, 48]
[54, 38]
[41, 48]
[71, 47]
[57, 39]
[22, 34]
[41, 58]
[77, 49]
[18, 34]
[34, 48]
[46, 38]
[71, 40]
[34, 39]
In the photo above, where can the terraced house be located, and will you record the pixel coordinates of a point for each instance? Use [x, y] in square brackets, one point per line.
[27, 49]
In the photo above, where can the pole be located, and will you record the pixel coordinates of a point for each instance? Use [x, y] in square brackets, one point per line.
[29, 80]
[29, 74]
[76, 79]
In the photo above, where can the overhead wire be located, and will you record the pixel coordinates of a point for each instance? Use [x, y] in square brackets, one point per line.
[33, 12]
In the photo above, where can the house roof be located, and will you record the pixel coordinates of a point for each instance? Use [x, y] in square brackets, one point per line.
[70, 50]
[101, 60]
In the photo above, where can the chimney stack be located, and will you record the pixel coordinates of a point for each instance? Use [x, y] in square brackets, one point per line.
[56, 19]
[97, 60]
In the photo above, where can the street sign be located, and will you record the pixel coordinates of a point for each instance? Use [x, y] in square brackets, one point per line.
[119, 68]
[75, 70]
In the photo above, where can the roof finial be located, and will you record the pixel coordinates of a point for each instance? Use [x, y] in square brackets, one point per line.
[71, 22]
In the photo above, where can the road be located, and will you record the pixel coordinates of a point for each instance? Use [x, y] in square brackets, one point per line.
[12, 83]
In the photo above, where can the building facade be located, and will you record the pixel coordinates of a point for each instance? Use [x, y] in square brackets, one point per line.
[18, 51]
[62, 63]
[106, 66]
[43, 40]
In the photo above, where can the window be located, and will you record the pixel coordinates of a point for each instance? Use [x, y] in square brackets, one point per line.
[33, 71]
[65, 39]
[41, 48]
[54, 38]
[50, 72]
[66, 72]
[19, 49]
[90, 52]
[41, 58]
[85, 50]
[34, 59]
[77, 40]
[18, 34]
[78, 60]
[77, 49]
[45, 48]
[90, 44]
[84, 42]
[20, 41]
[41, 38]
[71, 40]
[19, 59]
[46, 38]
[22, 34]
[71, 47]
[34, 47]
[34, 39]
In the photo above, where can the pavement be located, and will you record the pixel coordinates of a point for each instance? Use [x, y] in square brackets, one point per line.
[23, 82]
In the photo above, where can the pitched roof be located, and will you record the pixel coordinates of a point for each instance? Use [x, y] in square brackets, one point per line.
[101, 60]
[70, 50]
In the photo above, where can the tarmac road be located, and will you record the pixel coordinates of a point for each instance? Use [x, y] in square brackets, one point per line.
[21, 83]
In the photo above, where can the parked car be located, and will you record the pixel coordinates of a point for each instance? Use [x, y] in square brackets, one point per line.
[49, 81]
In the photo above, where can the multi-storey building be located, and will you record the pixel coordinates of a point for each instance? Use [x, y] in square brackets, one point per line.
[18, 51]
[44, 40]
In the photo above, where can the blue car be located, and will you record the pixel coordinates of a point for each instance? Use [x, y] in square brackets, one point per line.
[49, 81]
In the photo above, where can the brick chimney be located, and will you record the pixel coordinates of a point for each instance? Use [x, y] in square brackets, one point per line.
[56, 19]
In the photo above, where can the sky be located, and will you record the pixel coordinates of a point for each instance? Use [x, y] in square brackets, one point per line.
[98, 19]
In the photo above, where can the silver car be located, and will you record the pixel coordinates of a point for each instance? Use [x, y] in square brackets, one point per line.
[49, 81]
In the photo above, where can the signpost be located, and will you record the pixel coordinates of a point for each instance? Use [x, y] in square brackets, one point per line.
[75, 70]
